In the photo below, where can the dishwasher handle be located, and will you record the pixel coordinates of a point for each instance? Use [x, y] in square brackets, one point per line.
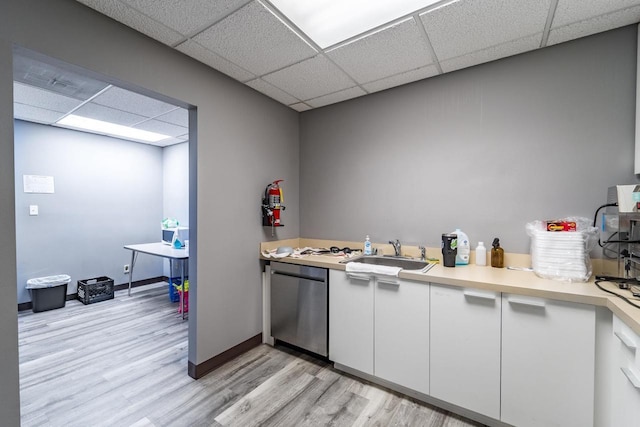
[298, 276]
[300, 271]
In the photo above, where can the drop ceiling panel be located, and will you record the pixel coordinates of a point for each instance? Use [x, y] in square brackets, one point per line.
[167, 142]
[594, 25]
[162, 127]
[332, 98]
[54, 79]
[462, 27]
[570, 11]
[272, 92]
[35, 114]
[256, 40]
[214, 60]
[45, 99]
[107, 114]
[186, 16]
[300, 107]
[311, 78]
[178, 117]
[495, 52]
[400, 79]
[132, 102]
[393, 50]
[136, 20]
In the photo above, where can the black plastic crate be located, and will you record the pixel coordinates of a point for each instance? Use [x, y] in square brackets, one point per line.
[95, 290]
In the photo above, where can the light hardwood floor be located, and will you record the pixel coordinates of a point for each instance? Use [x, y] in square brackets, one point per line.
[123, 362]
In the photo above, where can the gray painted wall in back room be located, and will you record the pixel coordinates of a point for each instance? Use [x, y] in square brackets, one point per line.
[241, 141]
[486, 149]
[175, 188]
[108, 193]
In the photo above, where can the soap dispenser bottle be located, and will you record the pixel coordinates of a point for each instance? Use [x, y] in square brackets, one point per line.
[497, 254]
[367, 246]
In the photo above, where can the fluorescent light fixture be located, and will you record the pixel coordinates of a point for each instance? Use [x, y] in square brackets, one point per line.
[328, 22]
[98, 126]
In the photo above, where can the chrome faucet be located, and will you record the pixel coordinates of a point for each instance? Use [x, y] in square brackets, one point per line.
[396, 247]
[423, 253]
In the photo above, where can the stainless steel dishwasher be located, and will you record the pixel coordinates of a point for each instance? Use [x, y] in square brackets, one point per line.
[299, 306]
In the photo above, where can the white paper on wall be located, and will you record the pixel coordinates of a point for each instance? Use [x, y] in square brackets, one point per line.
[38, 184]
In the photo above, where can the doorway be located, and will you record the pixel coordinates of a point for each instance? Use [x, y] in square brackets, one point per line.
[106, 192]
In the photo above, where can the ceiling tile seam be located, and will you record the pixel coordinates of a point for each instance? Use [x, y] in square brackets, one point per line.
[301, 102]
[277, 70]
[494, 46]
[397, 74]
[276, 87]
[208, 25]
[387, 24]
[292, 26]
[255, 76]
[547, 26]
[47, 90]
[83, 103]
[147, 119]
[610, 12]
[332, 93]
[128, 6]
[366, 34]
[430, 48]
[40, 108]
[355, 82]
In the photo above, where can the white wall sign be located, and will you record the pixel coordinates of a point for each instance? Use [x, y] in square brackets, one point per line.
[38, 184]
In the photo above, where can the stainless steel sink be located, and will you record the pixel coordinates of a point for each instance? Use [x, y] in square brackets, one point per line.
[392, 261]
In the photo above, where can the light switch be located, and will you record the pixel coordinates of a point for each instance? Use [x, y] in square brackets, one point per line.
[33, 210]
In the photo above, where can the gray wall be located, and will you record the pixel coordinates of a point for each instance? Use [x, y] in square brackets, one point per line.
[175, 190]
[9, 387]
[486, 149]
[175, 182]
[243, 140]
[108, 193]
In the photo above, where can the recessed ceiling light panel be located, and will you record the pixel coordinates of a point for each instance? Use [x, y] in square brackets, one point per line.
[98, 126]
[328, 22]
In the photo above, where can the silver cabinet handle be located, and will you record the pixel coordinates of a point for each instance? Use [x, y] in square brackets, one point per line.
[477, 294]
[528, 302]
[631, 377]
[626, 340]
[358, 276]
[388, 281]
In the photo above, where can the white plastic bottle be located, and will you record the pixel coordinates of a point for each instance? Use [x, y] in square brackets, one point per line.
[367, 246]
[464, 248]
[481, 254]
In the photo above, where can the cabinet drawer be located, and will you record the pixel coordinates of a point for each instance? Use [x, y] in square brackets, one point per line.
[627, 344]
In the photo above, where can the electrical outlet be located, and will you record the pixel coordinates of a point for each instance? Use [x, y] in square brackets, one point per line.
[126, 269]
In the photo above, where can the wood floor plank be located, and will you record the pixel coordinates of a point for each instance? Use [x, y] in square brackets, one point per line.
[270, 396]
[123, 362]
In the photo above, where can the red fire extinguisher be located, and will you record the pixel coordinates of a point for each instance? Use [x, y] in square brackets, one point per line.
[272, 205]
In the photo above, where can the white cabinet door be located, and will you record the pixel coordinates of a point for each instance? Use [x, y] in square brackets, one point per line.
[465, 348]
[402, 332]
[351, 321]
[626, 376]
[548, 351]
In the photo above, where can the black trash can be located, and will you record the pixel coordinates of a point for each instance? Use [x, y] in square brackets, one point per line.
[48, 293]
